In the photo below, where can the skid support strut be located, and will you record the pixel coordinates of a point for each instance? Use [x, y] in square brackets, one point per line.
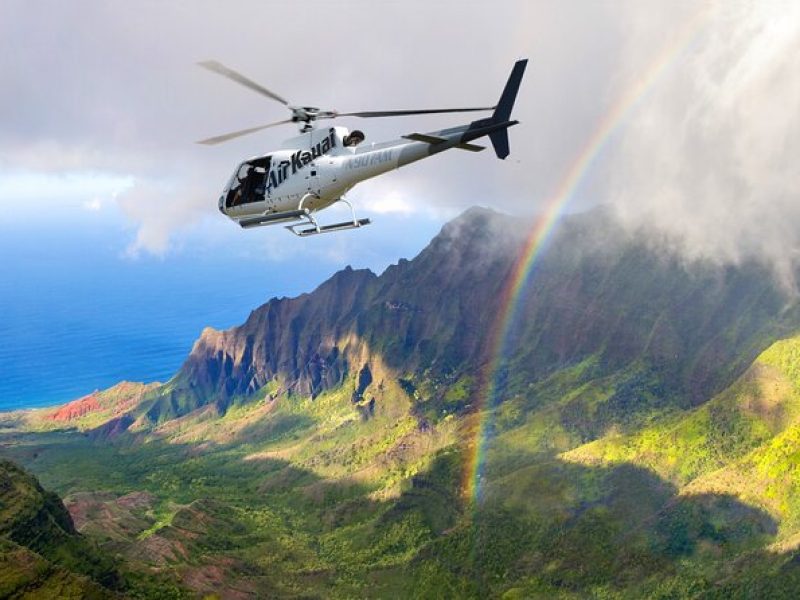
[316, 228]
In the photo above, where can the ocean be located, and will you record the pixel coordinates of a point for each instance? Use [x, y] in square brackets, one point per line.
[78, 315]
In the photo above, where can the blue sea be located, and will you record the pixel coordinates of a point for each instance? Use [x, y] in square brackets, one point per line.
[78, 314]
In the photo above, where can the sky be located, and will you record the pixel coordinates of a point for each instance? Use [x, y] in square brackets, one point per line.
[693, 108]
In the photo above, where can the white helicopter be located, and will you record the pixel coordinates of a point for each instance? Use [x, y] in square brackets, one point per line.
[314, 170]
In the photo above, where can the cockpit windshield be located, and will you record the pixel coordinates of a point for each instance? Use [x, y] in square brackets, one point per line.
[248, 183]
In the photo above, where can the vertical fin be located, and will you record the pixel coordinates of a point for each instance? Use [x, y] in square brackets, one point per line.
[503, 111]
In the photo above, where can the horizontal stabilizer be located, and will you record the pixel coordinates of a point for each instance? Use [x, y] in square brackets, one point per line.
[424, 137]
[432, 139]
[470, 147]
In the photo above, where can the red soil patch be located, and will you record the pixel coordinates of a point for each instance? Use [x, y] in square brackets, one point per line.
[137, 500]
[161, 551]
[126, 395]
[76, 408]
[222, 578]
[87, 506]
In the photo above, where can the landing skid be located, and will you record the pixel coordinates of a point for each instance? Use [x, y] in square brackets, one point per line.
[272, 218]
[305, 218]
[316, 228]
[327, 228]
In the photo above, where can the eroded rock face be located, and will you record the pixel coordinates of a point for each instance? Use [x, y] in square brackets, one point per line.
[76, 409]
[431, 312]
[593, 290]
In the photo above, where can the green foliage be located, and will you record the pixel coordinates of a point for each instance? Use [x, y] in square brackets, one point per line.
[39, 547]
[784, 355]
[287, 496]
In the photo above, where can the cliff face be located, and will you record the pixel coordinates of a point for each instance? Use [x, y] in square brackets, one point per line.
[293, 340]
[428, 313]
[594, 291]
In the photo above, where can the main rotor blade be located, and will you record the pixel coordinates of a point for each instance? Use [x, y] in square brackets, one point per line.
[229, 136]
[221, 69]
[400, 113]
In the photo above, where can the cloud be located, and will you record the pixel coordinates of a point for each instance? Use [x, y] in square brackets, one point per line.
[95, 204]
[706, 156]
[403, 195]
[392, 202]
[114, 89]
[58, 196]
[710, 160]
[158, 209]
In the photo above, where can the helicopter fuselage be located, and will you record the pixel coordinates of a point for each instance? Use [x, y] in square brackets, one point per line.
[318, 168]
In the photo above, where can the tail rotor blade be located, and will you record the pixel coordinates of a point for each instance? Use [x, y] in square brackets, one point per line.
[220, 69]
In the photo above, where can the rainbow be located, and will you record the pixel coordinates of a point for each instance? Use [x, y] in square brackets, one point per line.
[516, 283]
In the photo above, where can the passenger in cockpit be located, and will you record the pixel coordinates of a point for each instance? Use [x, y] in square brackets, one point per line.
[254, 185]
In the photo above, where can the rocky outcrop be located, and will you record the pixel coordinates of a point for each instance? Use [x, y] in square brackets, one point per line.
[75, 409]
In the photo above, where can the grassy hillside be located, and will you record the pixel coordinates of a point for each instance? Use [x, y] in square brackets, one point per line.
[287, 494]
[41, 554]
[742, 442]
[359, 491]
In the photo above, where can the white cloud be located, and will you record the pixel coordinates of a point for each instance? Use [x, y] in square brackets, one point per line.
[57, 195]
[95, 204]
[708, 155]
[711, 159]
[158, 209]
[392, 202]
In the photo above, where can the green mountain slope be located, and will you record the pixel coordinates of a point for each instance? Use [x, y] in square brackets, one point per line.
[742, 442]
[41, 554]
[324, 447]
[598, 293]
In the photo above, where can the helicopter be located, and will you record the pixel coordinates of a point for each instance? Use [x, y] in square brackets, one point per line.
[314, 170]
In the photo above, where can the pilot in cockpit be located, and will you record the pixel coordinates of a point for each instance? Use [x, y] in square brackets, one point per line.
[354, 139]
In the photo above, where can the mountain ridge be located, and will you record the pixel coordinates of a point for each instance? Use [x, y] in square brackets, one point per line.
[598, 291]
[430, 316]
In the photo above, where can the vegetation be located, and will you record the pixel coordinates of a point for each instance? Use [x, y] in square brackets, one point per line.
[298, 497]
[635, 440]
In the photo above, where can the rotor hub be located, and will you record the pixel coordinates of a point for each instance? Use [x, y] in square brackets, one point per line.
[308, 114]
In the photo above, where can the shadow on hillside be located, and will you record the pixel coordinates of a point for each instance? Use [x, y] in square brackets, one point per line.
[760, 574]
[545, 527]
[278, 427]
[553, 527]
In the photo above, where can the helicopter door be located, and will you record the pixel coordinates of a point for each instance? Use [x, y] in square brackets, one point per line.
[312, 177]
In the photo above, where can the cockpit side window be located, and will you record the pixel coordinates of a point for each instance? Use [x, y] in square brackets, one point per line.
[248, 183]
